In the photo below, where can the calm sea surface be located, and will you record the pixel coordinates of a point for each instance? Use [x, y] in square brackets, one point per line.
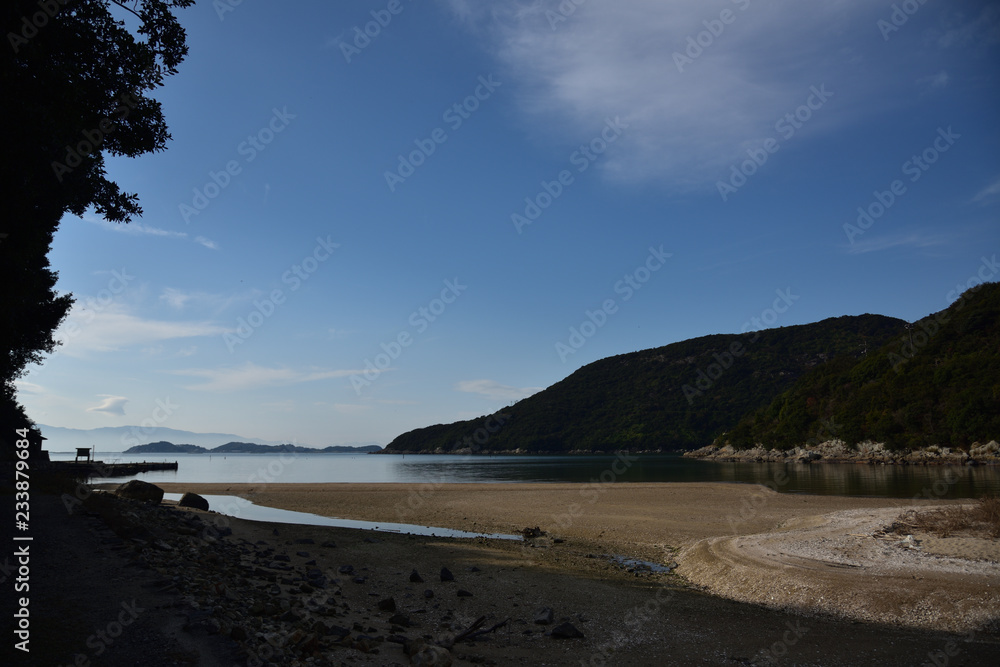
[826, 478]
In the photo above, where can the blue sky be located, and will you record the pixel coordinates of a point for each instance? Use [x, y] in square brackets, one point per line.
[444, 201]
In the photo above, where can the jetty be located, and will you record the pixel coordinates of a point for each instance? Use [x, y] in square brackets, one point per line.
[84, 466]
[85, 469]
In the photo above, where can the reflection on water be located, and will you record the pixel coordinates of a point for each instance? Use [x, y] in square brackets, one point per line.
[242, 508]
[818, 478]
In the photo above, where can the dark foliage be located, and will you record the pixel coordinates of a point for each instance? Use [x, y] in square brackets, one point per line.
[668, 398]
[936, 383]
[75, 77]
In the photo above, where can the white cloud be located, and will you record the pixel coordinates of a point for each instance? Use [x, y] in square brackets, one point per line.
[989, 192]
[26, 387]
[687, 127]
[886, 242]
[136, 228]
[113, 405]
[252, 376]
[495, 390]
[114, 327]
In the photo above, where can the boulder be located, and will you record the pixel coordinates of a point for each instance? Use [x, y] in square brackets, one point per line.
[566, 631]
[193, 500]
[544, 616]
[138, 490]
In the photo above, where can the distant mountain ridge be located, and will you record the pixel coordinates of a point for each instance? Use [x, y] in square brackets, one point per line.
[669, 398]
[865, 378]
[118, 438]
[164, 447]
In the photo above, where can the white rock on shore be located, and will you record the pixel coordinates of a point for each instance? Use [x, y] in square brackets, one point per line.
[837, 451]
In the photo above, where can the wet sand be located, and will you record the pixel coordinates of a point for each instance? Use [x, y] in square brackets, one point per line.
[810, 554]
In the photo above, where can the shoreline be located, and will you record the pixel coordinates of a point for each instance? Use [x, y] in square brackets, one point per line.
[870, 453]
[730, 540]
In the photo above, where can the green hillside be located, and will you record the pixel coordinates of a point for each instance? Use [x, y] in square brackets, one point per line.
[937, 383]
[674, 397]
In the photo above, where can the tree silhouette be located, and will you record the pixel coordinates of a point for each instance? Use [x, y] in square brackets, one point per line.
[76, 75]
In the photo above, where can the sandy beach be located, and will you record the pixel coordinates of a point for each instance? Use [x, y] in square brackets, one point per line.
[810, 554]
[761, 586]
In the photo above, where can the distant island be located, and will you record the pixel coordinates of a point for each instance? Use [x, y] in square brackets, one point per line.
[164, 447]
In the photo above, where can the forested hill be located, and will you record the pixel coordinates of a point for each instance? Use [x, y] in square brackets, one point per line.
[937, 383]
[674, 397]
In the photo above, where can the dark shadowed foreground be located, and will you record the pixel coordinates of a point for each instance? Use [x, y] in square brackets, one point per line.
[170, 588]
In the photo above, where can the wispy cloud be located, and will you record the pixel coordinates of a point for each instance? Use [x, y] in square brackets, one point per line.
[26, 387]
[495, 390]
[617, 58]
[887, 242]
[252, 376]
[115, 327]
[136, 228]
[113, 405]
[989, 192]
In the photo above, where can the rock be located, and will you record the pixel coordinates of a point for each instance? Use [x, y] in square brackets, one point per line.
[446, 575]
[193, 500]
[345, 569]
[462, 593]
[329, 544]
[138, 490]
[389, 604]
[432, 656]
[305, 540]
[415, 577]
[529, 533]
[428, 594]
[401, 620]
[544, 616]
[566, 631]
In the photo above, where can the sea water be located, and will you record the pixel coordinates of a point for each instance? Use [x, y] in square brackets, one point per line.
[817, 478]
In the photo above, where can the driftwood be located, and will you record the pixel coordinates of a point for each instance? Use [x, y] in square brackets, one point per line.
[473, 630]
